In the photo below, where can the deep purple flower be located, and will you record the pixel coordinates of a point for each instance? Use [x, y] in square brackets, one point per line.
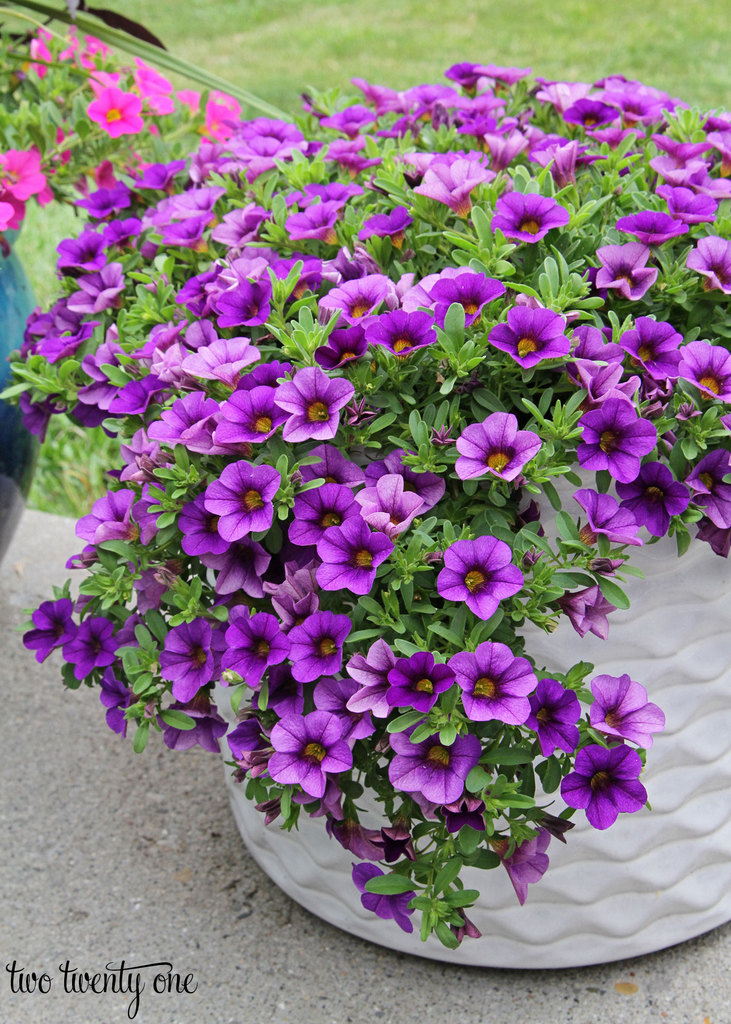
[342, 347]
[371, 671]
[606, 517]
[240, 567]
[531, 335]
[249, 417]
[333, 467]
[121, 232]
[85, 252]
[720, 540]
[624, 269]
[247, 304]
[106, 201]
[468, 810]
[495, 684]
[295, 597]
[654, 344]
[653, 497]
[621, 708]
[452, 182]
[554, 712]
[495, 446]
[208, 729]
[708, 367]
[54, 627]
[527, 863]
[242, 498]
[98, 291]
[587, 610]
[480, 573]
[388, 506]
[590, 113]
[605, 783]
[350, 555]
[389, 908]
[320, 508]
[187, 660]
[116, 698]
[652, 227]
[313, 401]
[305, 748]
[470, 290]
[527, 216]
[286, 695]
[317, 645]
[709, 490]
[401, 332]
[93, 645]
[109, 519]
[387, 225]
[432, 769]
[416, 682]
[253, 643]
[686, 205]
[332, 695]
[615, 438]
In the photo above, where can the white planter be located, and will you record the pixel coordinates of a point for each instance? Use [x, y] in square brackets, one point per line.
[654, 878]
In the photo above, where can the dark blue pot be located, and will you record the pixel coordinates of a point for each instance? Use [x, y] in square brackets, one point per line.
[18, 448]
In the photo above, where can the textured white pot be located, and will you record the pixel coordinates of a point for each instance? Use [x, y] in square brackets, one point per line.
[654, 878]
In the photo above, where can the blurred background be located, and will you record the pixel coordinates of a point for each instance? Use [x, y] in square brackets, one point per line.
[278, 48]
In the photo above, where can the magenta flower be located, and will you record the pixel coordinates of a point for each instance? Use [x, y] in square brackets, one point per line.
[621, 708]
[110, 519]
[253, 643]
[653, 497]
[616, 439]
[313, 401]
[590, 113]
[187, 660]
[654, 344]
[401, 332]
[117, 112]
[389, 908]
[451, 183]
[416, 682]
[388, 506]
[495, 446]
[527, 217]
[652, 227]
[350, 555]
[371, 672]
[436, 771]
[606, 517]
[53, 627]
[587, 610]
[531, 335]
[242, 499]
[317, 645]
[708, 367]
[605, 783]
[480, 573]
[527, 863]
[306, 748]
[554, 712]
[712, 258]
[495, 684]
[624, 269]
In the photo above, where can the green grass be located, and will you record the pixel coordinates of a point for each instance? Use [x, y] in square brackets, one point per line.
[277, 48]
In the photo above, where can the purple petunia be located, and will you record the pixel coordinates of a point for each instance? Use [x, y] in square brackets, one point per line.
[320, 508]
[653, 497]
[587, 611]
[615, 438]
[709, 490]
[416, 682]
[93, 645]
[253, 643]
[712, 258]
[249, 417]
[554, 712]
[317, 645]
[621, 708]
[388, 506]
[53, 627]
[401, 332]
[468, 289]
[430, 768]
[653, 344]
[387, 225]
[371, 671]
[527, 863]
[531, 335]
[708, 367]
[242, 499]
[606, 517]
[306, 747]
[351, 554]
[527, 217]
[207, 730]
[313, 401]
[452, 182]
[187, 660]
[605, 783]
[495, 684]
[480, 573]
[652, 227]
[624, 269]
[495, 446]
[389, 908]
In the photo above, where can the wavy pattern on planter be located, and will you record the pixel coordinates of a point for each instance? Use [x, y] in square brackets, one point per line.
[653, 879]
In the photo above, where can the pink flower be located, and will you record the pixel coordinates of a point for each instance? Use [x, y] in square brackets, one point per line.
[7, 215]
[20, 173]
[221, 110]
[117, 112]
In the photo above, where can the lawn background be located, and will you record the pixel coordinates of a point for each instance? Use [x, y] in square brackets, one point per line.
[277, 48]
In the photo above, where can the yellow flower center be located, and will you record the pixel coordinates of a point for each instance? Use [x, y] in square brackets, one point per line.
[327, 647]
[252, 500]
[600, 781]
[654, 494]
[498, 461]
[438, 755]
[473, 580]
[606, 440]
[530, 225]
[113, 115]
[262, 424]
[314, 752]
[484, 687]
[525, 346]
[424, 686]
[644, 352]
[359, 309]
[317, 412]
[363, 559]
[263, 648]
[401, 343]
[470, 308]
[707, 480]
[711, 383]
[330, 519]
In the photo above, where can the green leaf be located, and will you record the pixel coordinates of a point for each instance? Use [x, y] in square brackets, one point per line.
[404, 721]
[389, 885]
[613, 593]
[177, 719]
[508, 755]
[469, 839]
[462, 897]
[447, 874]
[140, 741]
[445, 935]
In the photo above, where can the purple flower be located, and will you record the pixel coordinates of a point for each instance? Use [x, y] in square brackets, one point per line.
[106, 201]
[316, 222]
[246, 304]
[294, 598]
[401, 332]
[652, 227]
[554, 712]
[286, 695]
[606, 517]
[624, 269]
[93, 645]
[468, 810]
[527, 217]
[428, 486]
[495, 684]
[389, 908]
[388, 506]
[253, 643]
[480, 573]
[313, 401]
[416, 682]
[318, 509]
[332, 695]
[109, 519]
[359, 298]
[350, 555]
[451, 183]
[710, 492]
[605, 783]
[470, 290]
[621, 708]
[208, 728]
[317, 645]
[349, 121]
[653, 497]
[432, 769]
[387, 225]
[116, 698]
[531, 335]
[686, 205]
[342, 347]
[190, 421]
[365, 843]
[371, 671]
[590, 113]
[86, 252]
[305, 748]
[223, 359]
[98, 291]
[654, 344]
[495, 446]
[720, 540]
[615, 438]
[712, 258]
[587, 610]
[239, 567]
[187, 660]
[249, 417]
[333, 467]
[242, 498]
[527, 863]
[708, 367]
[54, 627]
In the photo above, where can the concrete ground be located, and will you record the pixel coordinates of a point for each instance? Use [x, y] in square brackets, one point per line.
[107, 856]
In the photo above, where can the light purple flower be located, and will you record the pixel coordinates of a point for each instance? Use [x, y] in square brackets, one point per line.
[527, 217]
[606, 517]
[531, 335]
[452, 183]
[110, 518]
[428, 486]
[495, 446]
[359, 298]
[709, 490]
[624, 269]
[249, 417]
[332, 695]
[686, 205]
[469, 289]
[480, 573]
[432, 769]
[320, 508]
[587, 610]
[371, 671]
[495, 684]
[313, 401]
[712, 258]
[621, 708]
[242, 499]
[350, 555]
[223, 360]
[652, 227]
[388, 506]
[527, 863]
